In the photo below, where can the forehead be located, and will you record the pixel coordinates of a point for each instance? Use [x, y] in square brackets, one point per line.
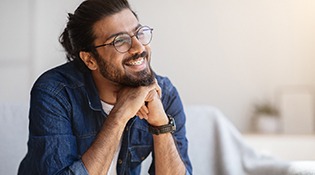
[123, 21]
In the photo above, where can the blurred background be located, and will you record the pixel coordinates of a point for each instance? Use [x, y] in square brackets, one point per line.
[248, 58]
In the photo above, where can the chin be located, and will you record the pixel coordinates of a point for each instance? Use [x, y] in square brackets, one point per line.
[142, 78]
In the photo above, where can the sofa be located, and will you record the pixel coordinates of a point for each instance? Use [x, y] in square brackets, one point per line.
[215, 145]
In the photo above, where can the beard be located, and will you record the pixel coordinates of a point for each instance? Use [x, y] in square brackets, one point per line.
[111, 72]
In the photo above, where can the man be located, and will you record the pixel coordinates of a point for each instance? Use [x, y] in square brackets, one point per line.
[105, 110]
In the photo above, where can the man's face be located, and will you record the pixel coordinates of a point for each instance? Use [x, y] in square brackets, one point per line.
[131, 68]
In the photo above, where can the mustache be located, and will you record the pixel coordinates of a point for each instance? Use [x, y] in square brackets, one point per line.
[137, 55]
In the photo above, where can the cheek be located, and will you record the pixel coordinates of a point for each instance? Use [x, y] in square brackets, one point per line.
[113, 58]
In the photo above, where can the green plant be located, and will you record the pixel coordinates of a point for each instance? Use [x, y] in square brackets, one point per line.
[266, 108]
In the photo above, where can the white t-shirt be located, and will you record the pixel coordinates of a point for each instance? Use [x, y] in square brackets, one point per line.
[112, 169]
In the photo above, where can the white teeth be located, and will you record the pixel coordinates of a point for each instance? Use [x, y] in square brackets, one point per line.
[136, 62]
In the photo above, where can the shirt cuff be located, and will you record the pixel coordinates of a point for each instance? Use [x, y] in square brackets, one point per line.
[78, 168]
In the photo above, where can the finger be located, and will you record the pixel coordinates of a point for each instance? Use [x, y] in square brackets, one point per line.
[144, 109]
[150, 95]
[158, 88]
[143, 114]
[159, 91]
[139, 114]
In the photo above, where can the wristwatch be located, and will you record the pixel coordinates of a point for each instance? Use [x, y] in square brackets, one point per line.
[170, 127]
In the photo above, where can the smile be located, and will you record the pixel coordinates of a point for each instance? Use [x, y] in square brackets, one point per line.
[136, 62]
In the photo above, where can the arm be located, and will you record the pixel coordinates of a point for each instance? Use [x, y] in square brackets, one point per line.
[52, 146]
[167, 159]
[129, 101]
[166, 152]
[98, 158]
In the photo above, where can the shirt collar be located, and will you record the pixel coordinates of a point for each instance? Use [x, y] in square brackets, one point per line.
[92, 94]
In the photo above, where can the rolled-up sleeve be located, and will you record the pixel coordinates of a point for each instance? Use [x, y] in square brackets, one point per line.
[78, 168]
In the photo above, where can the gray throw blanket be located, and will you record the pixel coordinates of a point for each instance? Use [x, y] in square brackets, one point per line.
[216, 147]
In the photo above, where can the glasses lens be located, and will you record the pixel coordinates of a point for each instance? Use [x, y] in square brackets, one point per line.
[144, 35]
[122, 42]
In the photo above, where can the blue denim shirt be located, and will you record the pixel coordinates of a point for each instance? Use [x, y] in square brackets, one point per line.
[66, 114]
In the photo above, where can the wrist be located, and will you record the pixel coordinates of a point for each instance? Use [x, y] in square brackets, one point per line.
[161, 120]
[119, 118]
[170, 127]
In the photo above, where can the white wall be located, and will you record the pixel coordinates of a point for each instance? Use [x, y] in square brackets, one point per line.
[224, 53]
[29, 43]
[233, 53]
[15, 44]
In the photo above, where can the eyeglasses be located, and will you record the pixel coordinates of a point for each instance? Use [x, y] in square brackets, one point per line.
[123, 42]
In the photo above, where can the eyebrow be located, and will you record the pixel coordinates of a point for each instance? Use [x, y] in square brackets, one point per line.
[119, 33]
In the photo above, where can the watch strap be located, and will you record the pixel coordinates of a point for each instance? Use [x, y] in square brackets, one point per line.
[170, 127]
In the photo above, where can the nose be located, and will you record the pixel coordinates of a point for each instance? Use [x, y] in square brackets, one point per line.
[137, 46]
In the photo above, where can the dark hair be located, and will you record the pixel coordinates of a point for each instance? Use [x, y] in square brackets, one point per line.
[78, 34]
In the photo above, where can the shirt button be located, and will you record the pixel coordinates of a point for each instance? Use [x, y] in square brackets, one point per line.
[120, 161]
[142, 158]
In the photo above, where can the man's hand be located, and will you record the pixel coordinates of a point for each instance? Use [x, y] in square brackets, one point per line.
[167, 158]
[152, 109]
[128, 103]
[130, 100]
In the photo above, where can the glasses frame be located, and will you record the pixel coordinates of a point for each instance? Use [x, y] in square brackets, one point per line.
[131, 36]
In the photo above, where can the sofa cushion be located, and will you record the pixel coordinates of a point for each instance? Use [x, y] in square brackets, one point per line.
[13, 137]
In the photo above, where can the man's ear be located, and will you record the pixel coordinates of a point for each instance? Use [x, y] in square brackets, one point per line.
[88, 60]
